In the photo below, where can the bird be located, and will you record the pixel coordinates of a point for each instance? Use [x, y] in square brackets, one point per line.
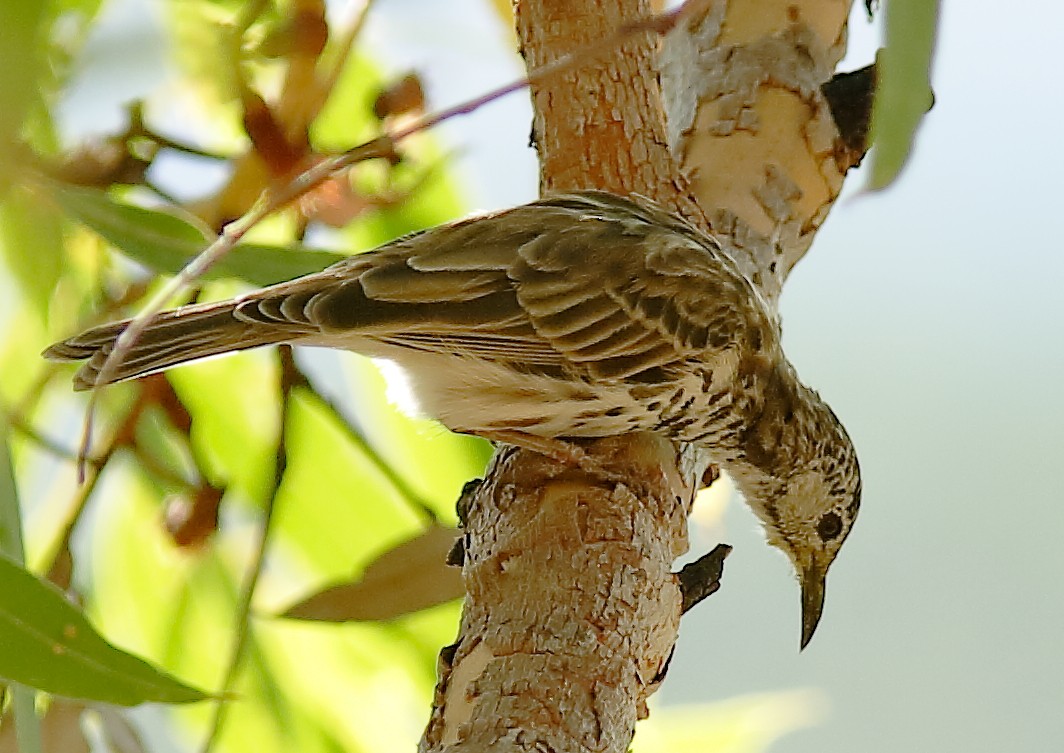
[580, 315]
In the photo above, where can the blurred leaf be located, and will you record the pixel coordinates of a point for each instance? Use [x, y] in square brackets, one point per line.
[401, 97]
[180, 611]
[10, 515]
[366, 683]
[160, 442]
[346, 119]
[203, 47]
[233, 402]
[174, 609]
[747, 724]
[22, 62]
[48, 644]
[165, 241]
[27, 727]
[903, 94]
[20, 349]
[335, 507]
[87, 8]
[31, 239]
[411, 577]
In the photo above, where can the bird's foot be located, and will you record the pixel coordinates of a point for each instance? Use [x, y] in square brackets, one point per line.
[559, 450]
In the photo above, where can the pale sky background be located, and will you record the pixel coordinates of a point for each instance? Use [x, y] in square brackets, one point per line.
[930, 317]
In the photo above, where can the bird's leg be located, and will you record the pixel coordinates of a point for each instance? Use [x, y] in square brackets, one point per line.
[559, 450]
[555, 449]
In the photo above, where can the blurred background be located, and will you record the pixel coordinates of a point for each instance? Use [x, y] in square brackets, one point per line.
[929, 316]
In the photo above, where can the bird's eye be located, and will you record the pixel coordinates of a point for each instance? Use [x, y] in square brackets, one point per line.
[829, 526]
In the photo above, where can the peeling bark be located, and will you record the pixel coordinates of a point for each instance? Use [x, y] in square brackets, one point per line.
[751, 125]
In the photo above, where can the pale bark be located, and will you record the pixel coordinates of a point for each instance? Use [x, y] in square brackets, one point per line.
[751, 127]
[572, 609]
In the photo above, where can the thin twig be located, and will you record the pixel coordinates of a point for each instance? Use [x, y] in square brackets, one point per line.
[251, 578]
[165, 142]
[49, 445]
[123, 437]
[55, 448]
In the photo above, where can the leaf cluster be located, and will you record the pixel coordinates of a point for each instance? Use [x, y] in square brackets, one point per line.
[220, 495]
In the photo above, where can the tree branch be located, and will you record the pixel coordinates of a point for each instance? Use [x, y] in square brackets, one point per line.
[571, 610]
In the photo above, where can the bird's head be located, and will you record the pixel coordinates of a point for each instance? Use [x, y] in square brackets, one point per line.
[805, 485]
[809, 523]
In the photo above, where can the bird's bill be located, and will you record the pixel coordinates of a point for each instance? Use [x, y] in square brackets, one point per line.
[812, 581]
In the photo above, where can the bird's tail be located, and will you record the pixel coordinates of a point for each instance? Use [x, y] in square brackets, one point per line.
[170, 338]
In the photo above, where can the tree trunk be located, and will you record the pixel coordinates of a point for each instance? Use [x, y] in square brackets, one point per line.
[572, 610]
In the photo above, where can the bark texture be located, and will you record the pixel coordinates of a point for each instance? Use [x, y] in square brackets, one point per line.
[600, 125]
[752, 128]
[572, 608]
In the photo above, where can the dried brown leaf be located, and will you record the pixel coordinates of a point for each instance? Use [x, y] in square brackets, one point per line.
[411, 577]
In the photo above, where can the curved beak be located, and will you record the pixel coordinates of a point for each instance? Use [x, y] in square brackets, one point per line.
[813, 578]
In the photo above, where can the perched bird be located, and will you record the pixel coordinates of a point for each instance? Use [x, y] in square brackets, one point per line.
[580, 315]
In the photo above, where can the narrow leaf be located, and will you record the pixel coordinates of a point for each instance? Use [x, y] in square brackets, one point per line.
[46, 643]
[27, 727]
[903, 94]
[23, 62]
[165, 241]
[411, 577]
[31, 240]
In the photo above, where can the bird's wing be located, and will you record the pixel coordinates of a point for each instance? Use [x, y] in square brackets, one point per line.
[591, 284]
[649, 297]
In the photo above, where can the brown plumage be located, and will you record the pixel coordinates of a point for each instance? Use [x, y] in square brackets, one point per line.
[579, 315]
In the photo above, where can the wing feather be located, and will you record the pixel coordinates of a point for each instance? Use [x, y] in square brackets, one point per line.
[598, 295]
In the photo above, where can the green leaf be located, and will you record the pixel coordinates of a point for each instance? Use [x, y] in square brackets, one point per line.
[165, 241]
[10, 514]
[22, 61]
[356, 511]
[346, 119]
[745, 724]
[27, 725]
[31, 239]
[46, 643]
[233, 403]
[903, 93]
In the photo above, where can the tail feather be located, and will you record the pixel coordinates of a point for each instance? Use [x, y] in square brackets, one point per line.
[170, 338]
